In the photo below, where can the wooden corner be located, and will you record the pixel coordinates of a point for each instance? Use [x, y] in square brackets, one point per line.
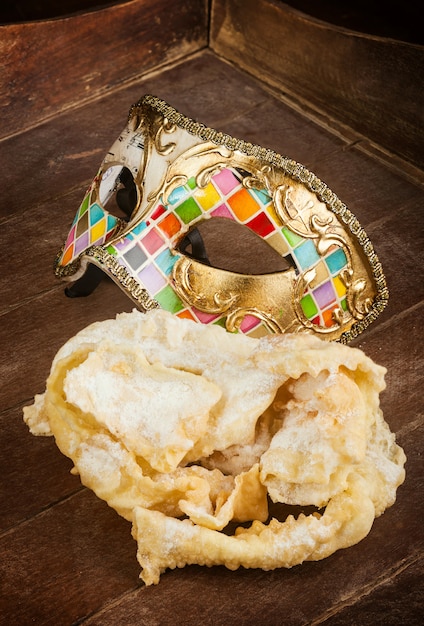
[50, 65]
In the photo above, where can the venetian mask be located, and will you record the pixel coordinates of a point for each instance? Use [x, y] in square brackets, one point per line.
[168, 179]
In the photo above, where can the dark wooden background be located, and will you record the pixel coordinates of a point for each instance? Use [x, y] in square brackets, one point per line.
[65, 556]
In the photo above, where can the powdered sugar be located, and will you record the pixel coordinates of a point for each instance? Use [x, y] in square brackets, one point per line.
[146, 406]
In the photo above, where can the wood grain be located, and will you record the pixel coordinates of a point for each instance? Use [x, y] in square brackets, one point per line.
[382, 604]
[370, 84]
[50, 65]
[28, 10]
[65, 557]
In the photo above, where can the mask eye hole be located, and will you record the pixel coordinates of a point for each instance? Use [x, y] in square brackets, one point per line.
[118, 192]
[228, 245]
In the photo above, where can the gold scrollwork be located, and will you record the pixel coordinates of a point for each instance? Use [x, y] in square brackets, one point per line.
[165, 127]
[298, 208]
[328, 233]
[217, 291]
[289, 212]
[359, 304]
[327, 237]
[201, 161]
[214, 302]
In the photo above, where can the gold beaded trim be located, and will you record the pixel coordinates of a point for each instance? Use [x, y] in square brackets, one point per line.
[103, 259]
[298, 172]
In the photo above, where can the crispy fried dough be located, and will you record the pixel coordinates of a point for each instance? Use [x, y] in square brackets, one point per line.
[184, 428]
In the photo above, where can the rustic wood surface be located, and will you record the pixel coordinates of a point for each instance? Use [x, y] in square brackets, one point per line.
[396, 19]
[369, 83]
[47, 66]
[66, 558]
[29, 11]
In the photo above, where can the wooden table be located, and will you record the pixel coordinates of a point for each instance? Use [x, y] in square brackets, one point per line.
[65, 556]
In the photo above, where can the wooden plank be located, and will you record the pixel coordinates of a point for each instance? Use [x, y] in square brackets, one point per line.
[66, 563]
[396, 345]
[398, 600]
[84, 547]
[368, 83]
[398, 19]
[369, 189]
[65, 557]
[39, 476]
[34, 239]
[403, 255]
[46, 162]
[54, 64]
[28, 11]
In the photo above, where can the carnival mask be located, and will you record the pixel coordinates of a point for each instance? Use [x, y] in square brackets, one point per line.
[165, 178]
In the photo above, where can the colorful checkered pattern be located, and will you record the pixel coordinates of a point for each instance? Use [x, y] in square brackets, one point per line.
[92, 226]
[145, 251]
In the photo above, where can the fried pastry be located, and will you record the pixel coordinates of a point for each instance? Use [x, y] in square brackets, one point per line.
[187, 431]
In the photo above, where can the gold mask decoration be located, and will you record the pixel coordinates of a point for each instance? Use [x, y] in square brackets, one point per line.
[168, 175]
